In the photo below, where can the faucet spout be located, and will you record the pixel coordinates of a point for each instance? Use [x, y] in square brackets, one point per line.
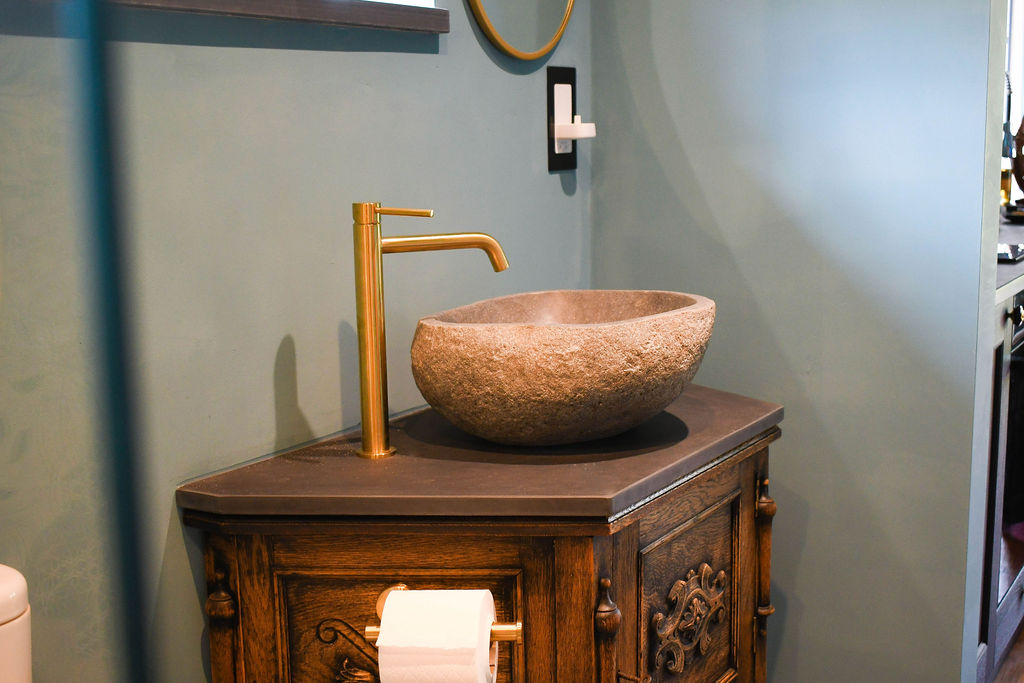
[369, 246]
[455, 240]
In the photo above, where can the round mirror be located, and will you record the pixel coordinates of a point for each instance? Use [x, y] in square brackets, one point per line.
[526, 29]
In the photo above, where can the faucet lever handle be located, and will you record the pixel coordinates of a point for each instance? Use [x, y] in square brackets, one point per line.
[393, 211]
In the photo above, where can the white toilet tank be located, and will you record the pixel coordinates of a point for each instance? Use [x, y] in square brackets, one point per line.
[15, 631]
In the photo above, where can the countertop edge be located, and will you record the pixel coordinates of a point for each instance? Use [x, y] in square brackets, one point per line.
[608, 505]
[660, 483]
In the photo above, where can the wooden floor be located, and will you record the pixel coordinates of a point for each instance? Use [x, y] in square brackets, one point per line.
[1012, 670]
[1011, 562]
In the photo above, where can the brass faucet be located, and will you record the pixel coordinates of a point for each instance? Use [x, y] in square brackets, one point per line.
[369, 247]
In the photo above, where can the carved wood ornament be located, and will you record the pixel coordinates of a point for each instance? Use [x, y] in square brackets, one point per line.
[353, 674]
[695, 603]
[329, 630]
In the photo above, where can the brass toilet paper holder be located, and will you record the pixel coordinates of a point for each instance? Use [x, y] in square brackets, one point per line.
[500, 633]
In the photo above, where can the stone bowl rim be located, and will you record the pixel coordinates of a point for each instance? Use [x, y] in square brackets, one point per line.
[699, 303]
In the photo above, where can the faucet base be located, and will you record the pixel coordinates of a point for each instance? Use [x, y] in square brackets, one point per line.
[376, 455]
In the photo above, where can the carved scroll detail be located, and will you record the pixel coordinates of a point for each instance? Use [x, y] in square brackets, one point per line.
[352, 674]
[695, 604]
[329, 631]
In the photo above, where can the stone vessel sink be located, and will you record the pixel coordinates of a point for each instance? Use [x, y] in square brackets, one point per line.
[558, 367]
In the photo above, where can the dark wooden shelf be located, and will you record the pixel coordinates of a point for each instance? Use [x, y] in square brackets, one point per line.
[356, 13]
[441, 471]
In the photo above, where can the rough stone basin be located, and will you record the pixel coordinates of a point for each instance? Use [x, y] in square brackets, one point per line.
[546, 368]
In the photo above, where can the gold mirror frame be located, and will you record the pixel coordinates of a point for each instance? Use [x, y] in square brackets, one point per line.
[492, 33]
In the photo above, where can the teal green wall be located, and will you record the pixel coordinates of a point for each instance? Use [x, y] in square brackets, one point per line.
[245, 144]
[816, 168]
[52, 500]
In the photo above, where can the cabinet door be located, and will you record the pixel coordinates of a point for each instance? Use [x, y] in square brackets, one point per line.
[326, 586]
[324, 614]
[697, 579]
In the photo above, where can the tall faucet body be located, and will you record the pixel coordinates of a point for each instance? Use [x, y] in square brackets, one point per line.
[369, 248]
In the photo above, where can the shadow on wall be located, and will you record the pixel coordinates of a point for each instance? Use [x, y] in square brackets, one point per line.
[292, 429]
[291, 426]
[504, 62]
[180, 28]
[845, 463]
[182, 573]
[44, 19]
[29, 19]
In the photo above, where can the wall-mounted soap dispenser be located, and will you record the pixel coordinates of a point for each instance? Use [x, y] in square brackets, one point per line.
[565, 126]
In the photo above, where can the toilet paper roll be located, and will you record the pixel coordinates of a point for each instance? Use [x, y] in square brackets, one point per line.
[437, 636]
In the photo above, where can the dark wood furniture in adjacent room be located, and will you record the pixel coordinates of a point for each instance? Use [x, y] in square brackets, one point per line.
[643, 557]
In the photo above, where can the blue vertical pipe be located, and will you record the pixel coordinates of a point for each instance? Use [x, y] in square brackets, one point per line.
[117, 395]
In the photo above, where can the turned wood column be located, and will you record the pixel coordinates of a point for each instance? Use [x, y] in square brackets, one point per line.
[221, 611]
[607, 619]
[766, 509]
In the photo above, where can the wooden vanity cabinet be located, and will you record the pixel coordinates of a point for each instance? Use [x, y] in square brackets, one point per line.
[667, 585]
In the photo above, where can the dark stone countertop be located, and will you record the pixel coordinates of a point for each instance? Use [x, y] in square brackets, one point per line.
[441, 471]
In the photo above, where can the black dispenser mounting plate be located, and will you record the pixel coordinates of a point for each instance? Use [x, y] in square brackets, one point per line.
[560, 74]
